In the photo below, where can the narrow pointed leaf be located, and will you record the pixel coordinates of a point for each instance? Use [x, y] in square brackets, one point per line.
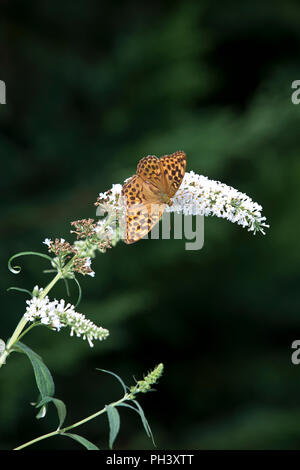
[114, 423]
[60, 407]
[144, 421]
[129, 406]
[141, 413]
[61, 410]
[42, 374]
[116, 376]
[82, 440]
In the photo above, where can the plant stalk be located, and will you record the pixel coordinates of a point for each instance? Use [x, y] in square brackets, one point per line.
[22, 323]
[67, 428]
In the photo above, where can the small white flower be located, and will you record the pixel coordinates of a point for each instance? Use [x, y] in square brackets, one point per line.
[62, 240]
[47, 242]
[112, 196]
[116, 189]
[88, 262]
[92, 274]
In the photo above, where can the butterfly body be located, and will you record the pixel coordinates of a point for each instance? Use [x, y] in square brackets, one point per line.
[147, 193]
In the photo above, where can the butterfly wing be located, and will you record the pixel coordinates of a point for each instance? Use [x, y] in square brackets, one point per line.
[173, 170]
[144, 192]
[149, 170]
[143, 209]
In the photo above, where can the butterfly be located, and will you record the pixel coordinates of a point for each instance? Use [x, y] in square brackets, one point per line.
[147, 193]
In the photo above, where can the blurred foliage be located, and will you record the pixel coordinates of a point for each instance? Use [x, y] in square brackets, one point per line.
[91, 88]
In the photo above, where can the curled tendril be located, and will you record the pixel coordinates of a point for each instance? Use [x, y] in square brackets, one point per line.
[17, 269]
[79, 292]
[79, 289]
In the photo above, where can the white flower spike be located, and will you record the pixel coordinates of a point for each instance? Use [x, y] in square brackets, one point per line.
[198, 195]
[56, 314]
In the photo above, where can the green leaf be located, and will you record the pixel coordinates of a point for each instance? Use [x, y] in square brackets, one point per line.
[17, 269]
[114, 423]
[42, 412]
[117, 377]
[61, 410]
[129, 406]
[42, 374]
[144, 421]
[141, 413]
[87, 444]
[60, 407]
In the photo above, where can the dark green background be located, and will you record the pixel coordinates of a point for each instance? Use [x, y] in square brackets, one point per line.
[92, 87]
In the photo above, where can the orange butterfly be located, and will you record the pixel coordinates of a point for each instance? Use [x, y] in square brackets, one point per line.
[148, 191]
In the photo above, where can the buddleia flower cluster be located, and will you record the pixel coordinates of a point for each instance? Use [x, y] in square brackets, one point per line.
[145, 385]
[198, 195]
[89, 239]
[57, 314]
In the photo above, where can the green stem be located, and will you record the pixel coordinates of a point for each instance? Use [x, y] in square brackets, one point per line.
[28, 329]
[78, 423]
[22, 323]
[51, 284]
